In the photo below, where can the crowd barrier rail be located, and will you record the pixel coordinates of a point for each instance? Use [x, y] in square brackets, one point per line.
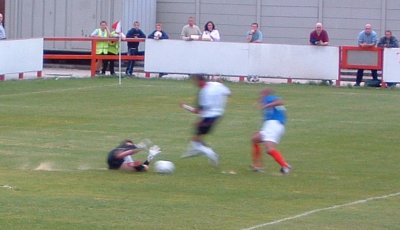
[350, 57]
[93, 57]
[356, 57]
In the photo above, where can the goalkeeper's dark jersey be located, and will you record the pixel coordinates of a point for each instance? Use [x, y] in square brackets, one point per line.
[113, 161]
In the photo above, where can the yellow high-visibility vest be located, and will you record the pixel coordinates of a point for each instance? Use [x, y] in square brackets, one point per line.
[113, 46]
[102, 46]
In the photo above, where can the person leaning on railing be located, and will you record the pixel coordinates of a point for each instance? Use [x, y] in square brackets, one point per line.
[210, 33]
[319, 36]
[133, 47]
[190, 31]
[389, 41]
[254, 35]
[159, 34]
[101, 46]
[366, 39]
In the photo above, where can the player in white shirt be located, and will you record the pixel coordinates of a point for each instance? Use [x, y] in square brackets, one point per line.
[212, 100]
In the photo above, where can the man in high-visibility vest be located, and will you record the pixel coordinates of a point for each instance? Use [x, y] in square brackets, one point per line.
[113, 46]
[102, 46]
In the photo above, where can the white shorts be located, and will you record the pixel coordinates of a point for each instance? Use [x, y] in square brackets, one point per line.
[128, 159]
[272, 130]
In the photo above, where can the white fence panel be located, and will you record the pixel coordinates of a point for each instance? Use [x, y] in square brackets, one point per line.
[294, 61]
[21, 56]
[176, 56]
[242, 59]
[391, 65]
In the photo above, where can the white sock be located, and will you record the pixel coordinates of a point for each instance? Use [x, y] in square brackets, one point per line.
[207, 151]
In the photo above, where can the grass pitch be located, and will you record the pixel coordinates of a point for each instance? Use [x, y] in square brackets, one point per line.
[55, 135]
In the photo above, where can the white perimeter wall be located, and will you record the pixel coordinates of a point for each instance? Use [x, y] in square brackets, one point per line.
[391, 65]
[242, 59]
[20, 56]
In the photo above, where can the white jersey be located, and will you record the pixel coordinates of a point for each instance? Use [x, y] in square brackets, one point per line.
[212, 99]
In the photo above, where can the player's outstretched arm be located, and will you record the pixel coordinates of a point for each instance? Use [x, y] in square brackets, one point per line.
[273, 104]
[125, 153]
[189, 108]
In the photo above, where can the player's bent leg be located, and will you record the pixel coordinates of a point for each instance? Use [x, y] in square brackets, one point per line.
[207, 151]
[257, 164]
[256, 138]
[141, 168]
[191, 151]
[193, 147]
[136, 166]
[127, 167]
[210, 154]
[274, 153]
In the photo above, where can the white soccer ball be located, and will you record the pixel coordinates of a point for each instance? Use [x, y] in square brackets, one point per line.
[164, 167]
[253, 79]
[157, 34]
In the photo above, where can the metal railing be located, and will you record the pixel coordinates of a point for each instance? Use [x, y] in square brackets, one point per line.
[93, 57]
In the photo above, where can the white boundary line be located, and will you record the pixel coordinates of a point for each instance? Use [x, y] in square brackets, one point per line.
[6, 186]
[322, 209]
[55, 90]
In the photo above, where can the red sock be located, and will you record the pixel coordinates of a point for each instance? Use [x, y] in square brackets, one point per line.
[257, 161]
[278, 157]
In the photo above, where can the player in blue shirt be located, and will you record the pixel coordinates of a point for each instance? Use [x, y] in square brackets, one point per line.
[274, 120]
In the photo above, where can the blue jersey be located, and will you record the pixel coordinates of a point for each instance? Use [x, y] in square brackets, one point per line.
[274, 113]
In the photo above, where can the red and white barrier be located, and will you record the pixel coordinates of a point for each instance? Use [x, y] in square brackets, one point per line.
[21, 56]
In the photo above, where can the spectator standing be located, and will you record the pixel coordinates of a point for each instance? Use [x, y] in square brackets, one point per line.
[2, 30]
[159, 34]
[133, 47]
[102, 46]
[319, 37]
[388, 41]
[366, 39]
[190, 31]
[210, 33]
[254, 35]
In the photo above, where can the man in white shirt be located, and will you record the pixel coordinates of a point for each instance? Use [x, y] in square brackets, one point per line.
[212, 100]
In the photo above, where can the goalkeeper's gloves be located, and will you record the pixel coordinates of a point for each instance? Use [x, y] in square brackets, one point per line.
[153, 152]
[141, 146]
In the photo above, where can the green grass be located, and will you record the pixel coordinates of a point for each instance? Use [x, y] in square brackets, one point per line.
[341, 142]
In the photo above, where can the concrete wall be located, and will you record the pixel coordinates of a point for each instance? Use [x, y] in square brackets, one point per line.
[283, 21]
[73, 18]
